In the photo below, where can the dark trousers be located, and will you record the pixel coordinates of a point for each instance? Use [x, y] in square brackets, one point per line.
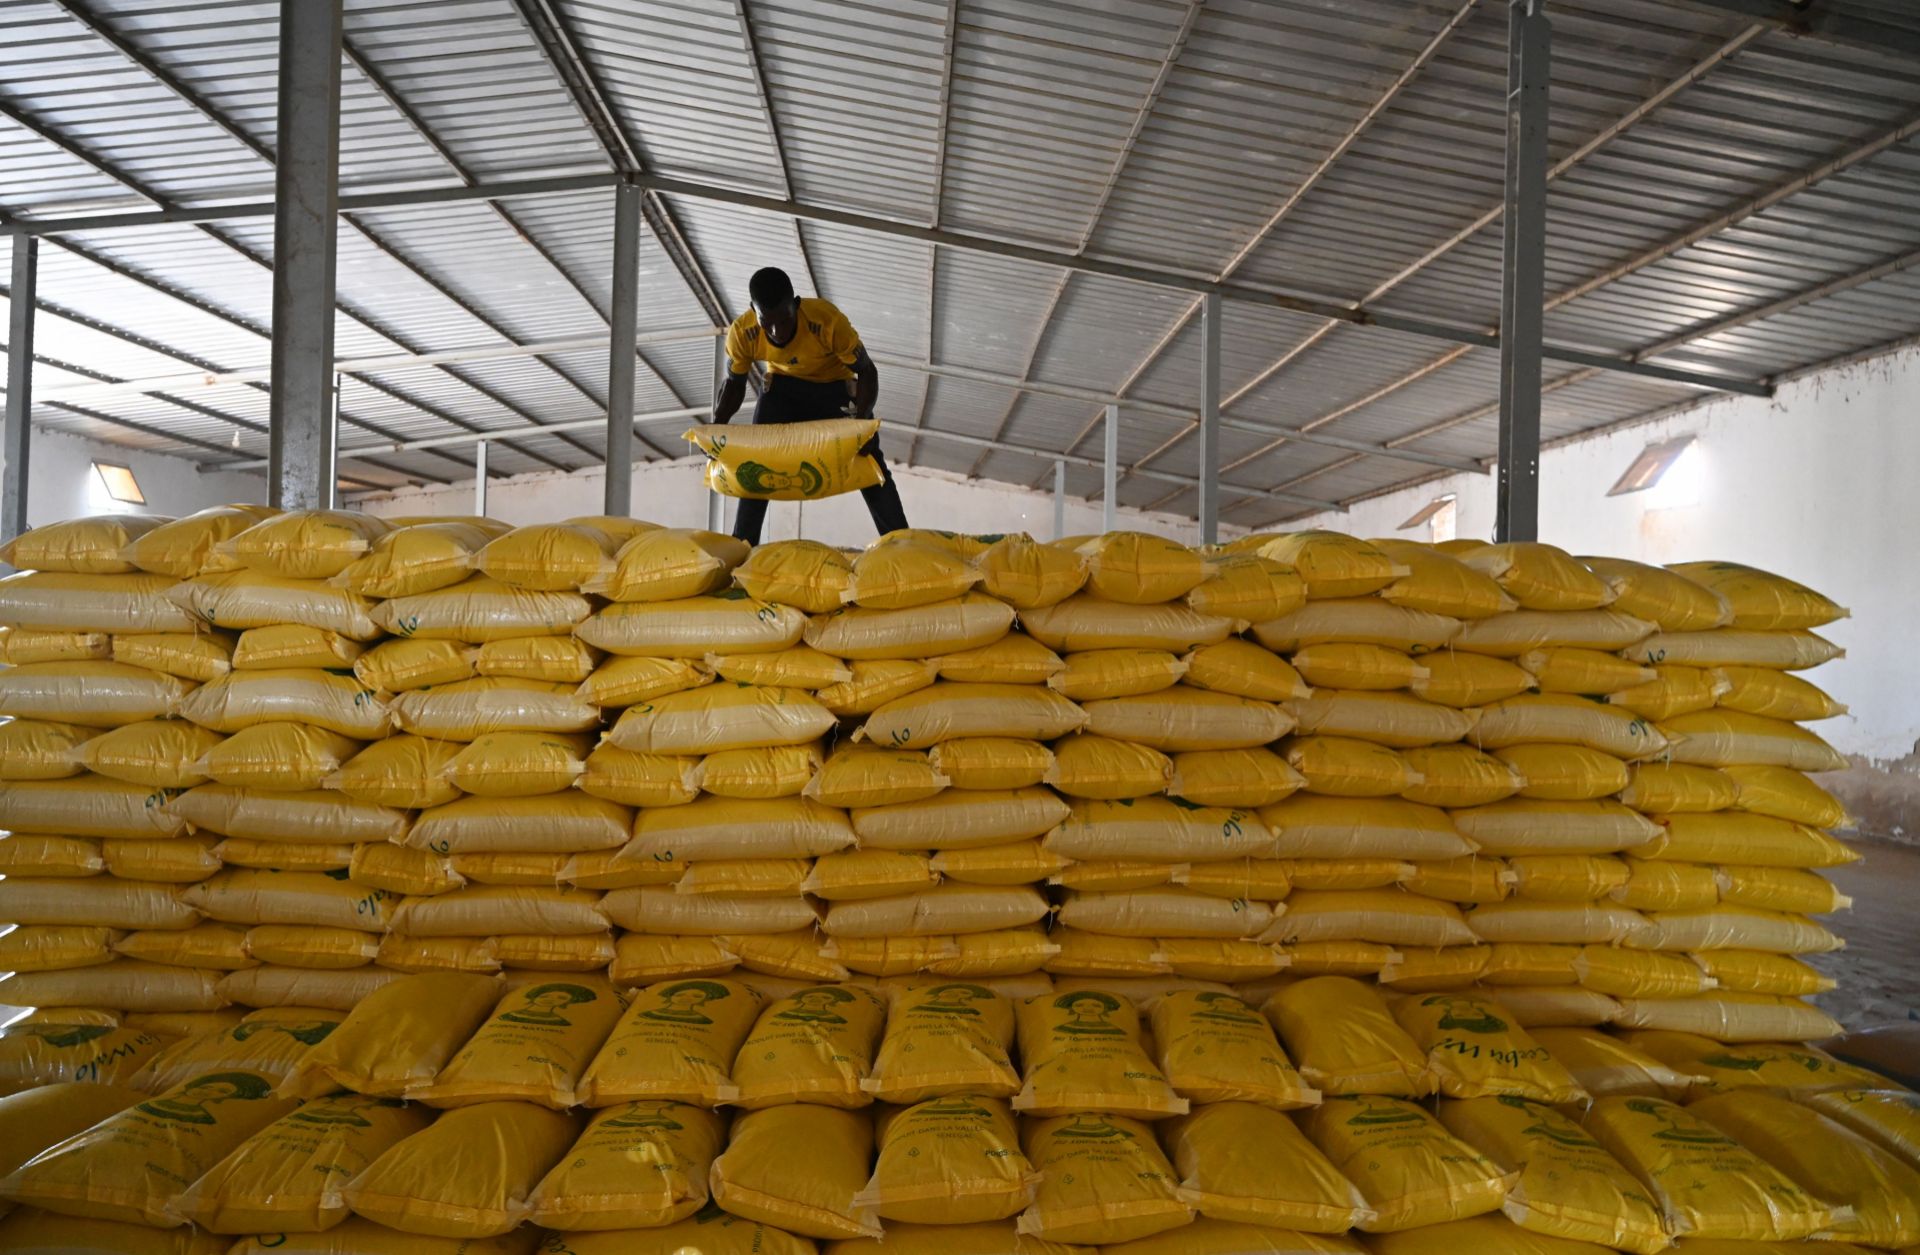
[790, 400]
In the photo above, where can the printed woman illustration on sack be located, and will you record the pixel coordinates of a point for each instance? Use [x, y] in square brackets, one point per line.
[189, 1105]
[1088, 1012]
[815, 1006]
[682, 1003]
[544, 1003]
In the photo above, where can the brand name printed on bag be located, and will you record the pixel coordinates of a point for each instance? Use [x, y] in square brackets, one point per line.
[1507, 1058]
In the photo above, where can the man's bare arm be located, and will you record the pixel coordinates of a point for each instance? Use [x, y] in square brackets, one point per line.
[727, 402]
[866, 384]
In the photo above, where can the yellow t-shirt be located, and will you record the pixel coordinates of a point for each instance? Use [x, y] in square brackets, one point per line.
[821, 351]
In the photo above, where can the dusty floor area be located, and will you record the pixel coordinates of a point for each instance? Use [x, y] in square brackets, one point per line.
[1879, 971]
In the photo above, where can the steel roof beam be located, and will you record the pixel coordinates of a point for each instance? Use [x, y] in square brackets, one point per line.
[1813, 19]
[1340, 149]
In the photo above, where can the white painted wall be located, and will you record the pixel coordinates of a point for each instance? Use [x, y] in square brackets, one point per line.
[61, 483]
[1817, 484]
[675, 494]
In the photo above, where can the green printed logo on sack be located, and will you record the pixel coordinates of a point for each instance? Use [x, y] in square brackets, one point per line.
[951, 1000]
[541, 1005]
[189, 1105]
[815, 1006]
[682, 1003]
[1677, 1126]
[1088, 1011]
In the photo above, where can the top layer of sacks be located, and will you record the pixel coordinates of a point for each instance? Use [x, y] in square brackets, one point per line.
[1297, 749]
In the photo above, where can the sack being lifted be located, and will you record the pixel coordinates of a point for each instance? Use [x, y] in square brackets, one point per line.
[788, 461]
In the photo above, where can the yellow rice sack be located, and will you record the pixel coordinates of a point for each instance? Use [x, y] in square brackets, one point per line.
[1363, 621]
[1246, 1163]
[93, 545]
[1565, 772]
[198, 656]
[1776, 695]
[244, 600]
[479, 610]
[952, 1160]
[1418, 970]
[363, 1237]
[36, 948]
[1670, 788]
[1138, 568]
[244, 699]
[1333, 565]
[1525, 826]
[655, 909]
[1561, 923]
[665, 564]
[567, 822]
[518, 764]
[727, 622]
[638, 1165]
[1244, 670]
[1388, 916]
[293, 645]
[534, 1047]
[306, 544]
[1082, 1052]
[1540, 577]
[1440, 584]
[1640, 973]
[815, 1195]
[1783, 793]
[1781, 889]
[91, 694]
[1760, 600]
[96, 901]
[746, 877]
[1319, 873]
[969, 621]
[1030, 576]
[945, 1039]
[1093, 955]
[56, 601]
[550, 556]
[1889, 1118]
[1338, 766]
[889, 956]
[959, 819]
[1013, 659]
[417, 559]
[1237, 778]
[36, 1119]
[1568, 1186]
[1750, 971]
[469, 709]
[38, 1054]
[308, 817]
[1226, 960]
[1511, 635]
[1214, 1048]
[398, 1038]
[1567, 877]
[1557, 718]
[993, 956]
[1248, 588]
[1729, 647]
[289, 756]
[717, 828]
[942, 910]
[396, 666]
[1326, 827]
[1791, 1069]
[1408, 1169]
[1343, 1039]
[1182, 718]
[295, 945]
[721, 717]
[1751, 840]
[484, 910]
[1084, 622]
[1666, 886]
[1463, 680]
[1157, 830]
[1605, 1065]
[553, 659]
[675, 1042]
[1671, 600]
[128, 1166]
[1474, 1050]
[1347, 665]
[1673, 691]
[288, 1178]
[895, 574]
[186, 546]
[20, 646]
[159, 753]
[873, 775]
[266, 986]
[631, 779]
[991, 762]
[621, 682]
[814, 1046]
[1103, 1180]
[1731, 1017]
[875, 683]
[268, 1042]
[1392, 719]
[32, 749]
[497, 1153]
[204, 945]
[1828, 1161]
[801, 573]
[788, 463]
[40, 856]
[948, 710]
[855, 874]
[1164, 913]
[1100, 673]
[1459, 776]
[1723, 738]
[1706, 1184]
[801, 667]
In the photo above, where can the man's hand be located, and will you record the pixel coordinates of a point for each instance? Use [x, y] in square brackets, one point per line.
[727, 403]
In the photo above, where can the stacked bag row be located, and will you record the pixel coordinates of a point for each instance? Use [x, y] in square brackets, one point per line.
[457, 1112]
[323, 750]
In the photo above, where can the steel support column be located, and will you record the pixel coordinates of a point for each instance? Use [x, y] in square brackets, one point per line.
[306, 203]
[17, 440]
[1523, 271]
[1059, 500]
[620, 351]
[480, 479]
[1209, 507]
[1110, 469]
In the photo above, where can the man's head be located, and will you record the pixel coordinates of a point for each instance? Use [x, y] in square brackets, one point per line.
[773, 301]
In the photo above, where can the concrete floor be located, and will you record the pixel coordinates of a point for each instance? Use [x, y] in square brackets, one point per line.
[1879, 971]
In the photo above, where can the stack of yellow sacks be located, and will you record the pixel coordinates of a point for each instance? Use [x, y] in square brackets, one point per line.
[267, 760]
[454, 1113]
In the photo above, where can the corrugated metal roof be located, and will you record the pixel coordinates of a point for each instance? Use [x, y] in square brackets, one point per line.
[1729, 197]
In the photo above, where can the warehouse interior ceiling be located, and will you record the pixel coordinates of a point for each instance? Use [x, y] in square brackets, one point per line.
[1734, 192]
